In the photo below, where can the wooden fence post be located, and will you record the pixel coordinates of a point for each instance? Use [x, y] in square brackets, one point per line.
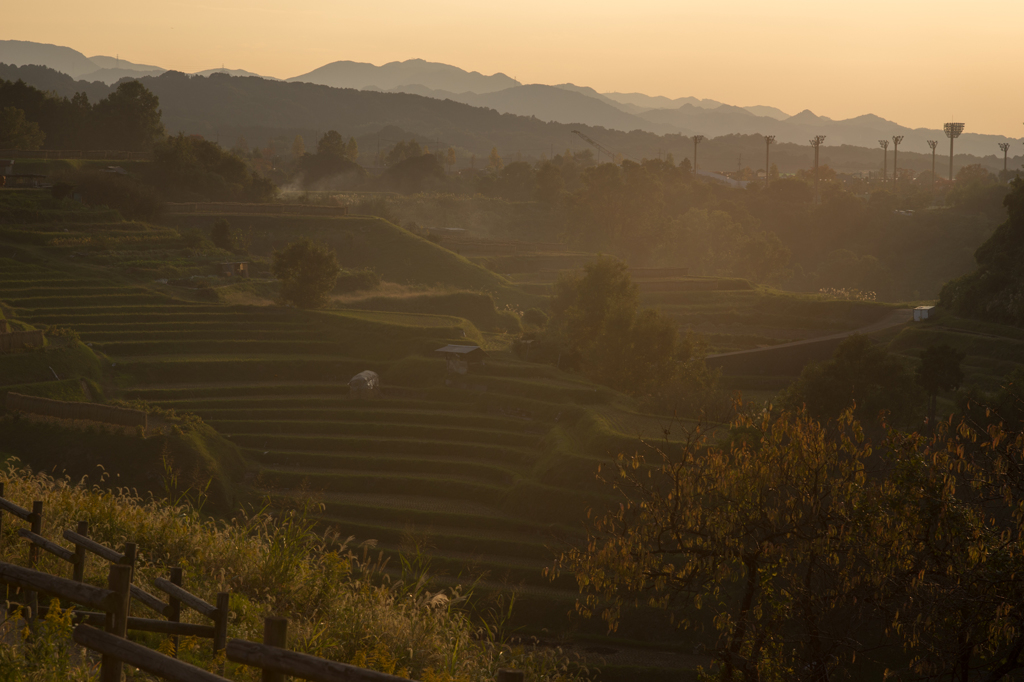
[120, 581]
[128, 558]
[174, 606]
[36, 519]
[275, 633]
[220, 625]
[506, 675]
[78, 572]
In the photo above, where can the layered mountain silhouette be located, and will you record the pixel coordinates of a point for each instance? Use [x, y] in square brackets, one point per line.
[565, 104]
[100, 68]
[431, 75]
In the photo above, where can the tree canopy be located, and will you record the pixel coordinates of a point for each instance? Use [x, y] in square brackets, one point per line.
[809, 550]
[861, 374]
[995, 290]
[128, 119]
[18, 133]
[307, 271]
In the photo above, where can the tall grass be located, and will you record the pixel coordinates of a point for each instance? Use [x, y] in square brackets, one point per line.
[341, 602]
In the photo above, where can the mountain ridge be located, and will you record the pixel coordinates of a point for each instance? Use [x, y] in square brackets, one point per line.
[566, 103]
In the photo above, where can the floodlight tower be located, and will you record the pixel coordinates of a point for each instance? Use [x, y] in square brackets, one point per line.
[884, 144]
[697, 139]
[933, 144]
[1005, 146]
[769, 140]
[953, 131]
[816, 142]
[896, 139]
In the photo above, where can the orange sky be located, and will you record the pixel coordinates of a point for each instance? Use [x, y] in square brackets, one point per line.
[915, 62]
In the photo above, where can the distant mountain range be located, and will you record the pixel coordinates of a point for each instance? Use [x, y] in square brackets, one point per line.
[566, 103]
[107, 70]
[361, 76]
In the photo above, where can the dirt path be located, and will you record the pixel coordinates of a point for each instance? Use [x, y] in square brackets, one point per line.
[893, 319]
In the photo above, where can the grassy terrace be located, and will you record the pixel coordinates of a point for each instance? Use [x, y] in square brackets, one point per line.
[738, 320]
[477, 482]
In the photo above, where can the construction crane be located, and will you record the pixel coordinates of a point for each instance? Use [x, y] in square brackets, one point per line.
[595, 145]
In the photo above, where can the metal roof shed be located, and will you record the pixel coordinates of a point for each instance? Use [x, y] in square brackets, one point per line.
[459, 358]
[923, 312]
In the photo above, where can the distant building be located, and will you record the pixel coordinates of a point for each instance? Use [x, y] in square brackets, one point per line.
[460, 358]
[234, 269]
[922, 312]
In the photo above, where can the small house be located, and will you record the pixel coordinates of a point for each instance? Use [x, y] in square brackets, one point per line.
[922, 312]
[460, 358]
[366, 384]
[234, 269]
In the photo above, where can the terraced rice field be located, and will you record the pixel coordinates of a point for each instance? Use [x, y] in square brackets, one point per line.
[435, 468]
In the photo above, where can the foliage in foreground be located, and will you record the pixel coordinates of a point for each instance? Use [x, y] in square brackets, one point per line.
[341, 602]
[812, 554]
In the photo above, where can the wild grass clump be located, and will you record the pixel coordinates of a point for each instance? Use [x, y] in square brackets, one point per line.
[342, 602]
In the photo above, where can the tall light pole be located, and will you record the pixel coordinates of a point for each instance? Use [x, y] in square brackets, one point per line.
[884, 144]
[816, 142]
[933, 144]
[769, 140]
[896, 139]
[697, 139]
[1005, 146]
[953, 131]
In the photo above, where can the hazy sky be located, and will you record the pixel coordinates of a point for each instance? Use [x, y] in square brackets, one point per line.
[913, 61]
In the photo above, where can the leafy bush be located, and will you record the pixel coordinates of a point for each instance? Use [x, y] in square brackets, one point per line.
[222, 236]
[307, 271]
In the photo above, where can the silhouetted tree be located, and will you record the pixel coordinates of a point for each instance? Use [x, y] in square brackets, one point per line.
[129, 118]
[331, 144]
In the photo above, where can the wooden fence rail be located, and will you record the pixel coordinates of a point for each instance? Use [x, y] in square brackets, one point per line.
[113, 609]
[139, 656]
[171, 610]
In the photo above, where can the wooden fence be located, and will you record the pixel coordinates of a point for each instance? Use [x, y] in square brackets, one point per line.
[261, 209]
[113, 613]
[11, 341]
[63, 409]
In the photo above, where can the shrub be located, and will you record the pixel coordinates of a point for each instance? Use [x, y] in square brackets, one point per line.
[307, 271]
[222, 236]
